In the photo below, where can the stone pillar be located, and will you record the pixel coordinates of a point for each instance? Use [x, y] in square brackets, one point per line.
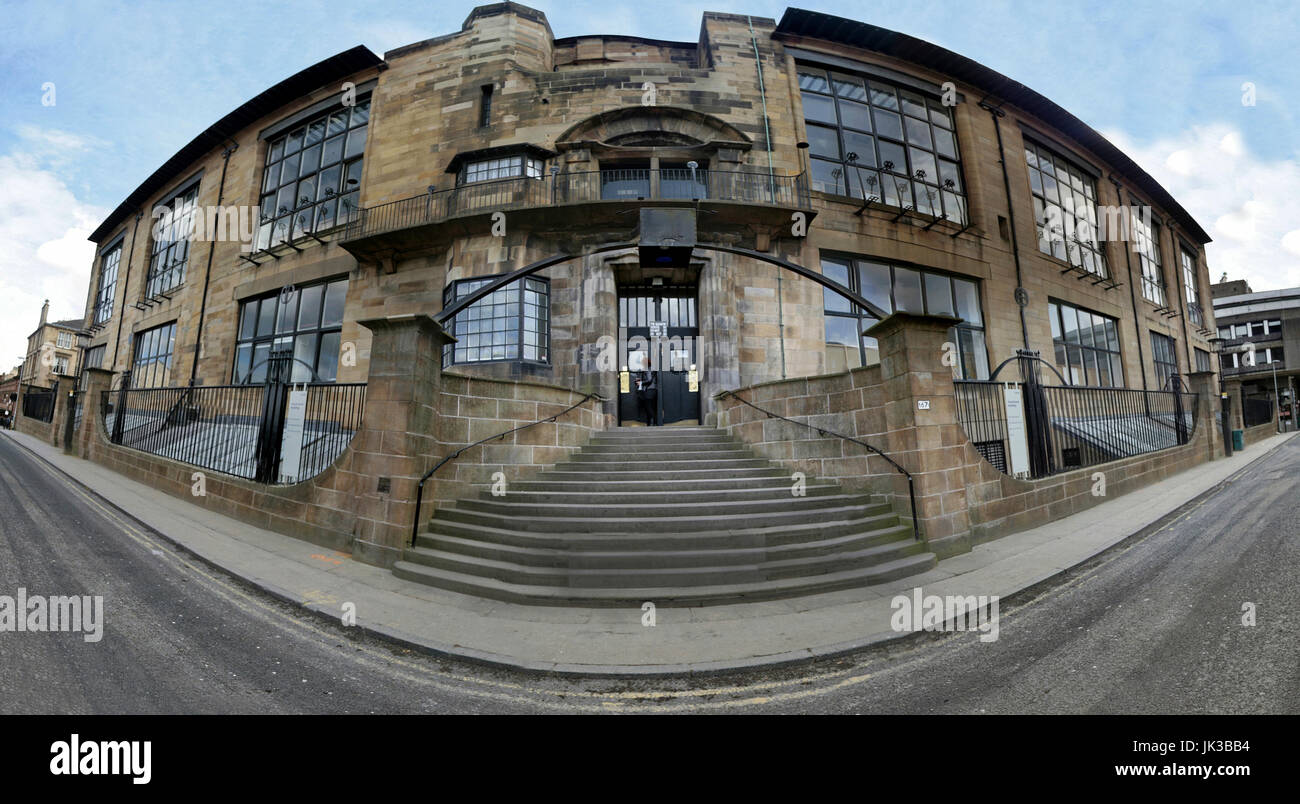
[924, 435]
[98, 380]
[397, 442]
[65, 386]
[1206, 388]
[1233, 389]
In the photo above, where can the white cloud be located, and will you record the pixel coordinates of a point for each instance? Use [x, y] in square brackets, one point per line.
[43, 227]
[1247, 204]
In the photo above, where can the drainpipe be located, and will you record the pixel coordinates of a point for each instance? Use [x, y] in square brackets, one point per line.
[207, 275]
[1132, 293]
[126, 288]
[997, 113]
[771, 180]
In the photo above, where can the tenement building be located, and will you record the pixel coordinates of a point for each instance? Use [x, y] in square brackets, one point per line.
[53, 349]
[807, 236]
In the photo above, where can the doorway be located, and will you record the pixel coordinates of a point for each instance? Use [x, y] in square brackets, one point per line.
[659, 330]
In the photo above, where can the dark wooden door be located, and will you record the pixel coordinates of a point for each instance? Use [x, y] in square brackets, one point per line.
[662, 324]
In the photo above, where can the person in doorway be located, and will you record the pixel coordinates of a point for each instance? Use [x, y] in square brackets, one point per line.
[647, 397]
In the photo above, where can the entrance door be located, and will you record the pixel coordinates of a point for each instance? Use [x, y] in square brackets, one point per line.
[659, 330]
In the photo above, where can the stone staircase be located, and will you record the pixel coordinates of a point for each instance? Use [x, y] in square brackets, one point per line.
[672, 515]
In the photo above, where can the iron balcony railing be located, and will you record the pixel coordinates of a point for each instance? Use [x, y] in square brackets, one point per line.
[1085, 426]
[626, 184]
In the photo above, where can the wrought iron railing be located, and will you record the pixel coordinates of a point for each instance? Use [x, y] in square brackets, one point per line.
[1082, 426]
[1256, 411]
[626, 184]
[232, 429]
[822, 431]
[38, 404]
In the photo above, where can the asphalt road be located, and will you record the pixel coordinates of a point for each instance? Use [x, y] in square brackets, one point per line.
[1152, 626]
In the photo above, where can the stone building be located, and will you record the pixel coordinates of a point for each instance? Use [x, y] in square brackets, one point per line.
[803, 160]
[53, 349]
[1260, 345]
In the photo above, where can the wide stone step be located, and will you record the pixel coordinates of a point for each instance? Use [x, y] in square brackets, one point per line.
[657, 556]
[585, 494]
[689, 470]
[658, 448]
[601, 482]
[632, 598]
[668, 456]
[616, 536]
[638, 509]
[678, 576]
[685, 523]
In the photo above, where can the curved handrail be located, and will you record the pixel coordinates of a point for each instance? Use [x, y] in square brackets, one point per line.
[822, 431]
[993, 375]
[419, 489]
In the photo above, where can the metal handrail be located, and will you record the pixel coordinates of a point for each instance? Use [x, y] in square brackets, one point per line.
[419, 488]
[822, 431]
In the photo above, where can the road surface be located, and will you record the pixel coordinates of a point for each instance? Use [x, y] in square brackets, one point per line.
[1152, 626]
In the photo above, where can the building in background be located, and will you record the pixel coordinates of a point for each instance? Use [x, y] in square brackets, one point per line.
[1261, 343]
[53, 349]
[9, 393]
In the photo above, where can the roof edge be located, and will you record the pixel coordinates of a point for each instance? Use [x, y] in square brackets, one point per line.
[295, 86]
[827, 27]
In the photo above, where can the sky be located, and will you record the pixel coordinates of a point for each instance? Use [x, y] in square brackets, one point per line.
[134, 82]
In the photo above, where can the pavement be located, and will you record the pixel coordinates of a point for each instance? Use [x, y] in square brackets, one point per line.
[614, 642]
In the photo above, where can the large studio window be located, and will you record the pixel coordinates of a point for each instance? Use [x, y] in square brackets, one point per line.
[898, 145]
[312, 178]
[306, 322]
[511, 323]
[1191, 287]
[173, 229]
[106, 290]
[1065, 209]
[899, 288]
[1146, 234]
[1086, 346]
[1163, 355]
[151, 364]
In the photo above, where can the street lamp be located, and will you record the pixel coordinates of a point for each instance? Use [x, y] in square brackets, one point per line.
[1277, 399]
[1225, 404]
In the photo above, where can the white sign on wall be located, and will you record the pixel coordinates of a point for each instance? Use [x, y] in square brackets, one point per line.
[295, 420]
[1017, 437]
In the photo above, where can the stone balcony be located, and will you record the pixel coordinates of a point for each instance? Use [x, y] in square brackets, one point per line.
[740, 208]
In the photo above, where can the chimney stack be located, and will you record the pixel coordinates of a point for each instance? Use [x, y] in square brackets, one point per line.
[45, 312]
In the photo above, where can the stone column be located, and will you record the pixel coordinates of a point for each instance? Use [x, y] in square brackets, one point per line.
[397, 442]
[65, 385]
[1206, 388]
[1233, 389]
[924, 435]
[98, 380]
